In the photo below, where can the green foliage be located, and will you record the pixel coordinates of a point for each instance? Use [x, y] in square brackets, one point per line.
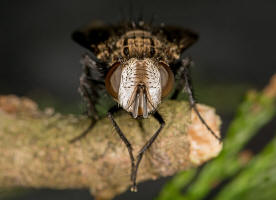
[251, 180]
[258, 181]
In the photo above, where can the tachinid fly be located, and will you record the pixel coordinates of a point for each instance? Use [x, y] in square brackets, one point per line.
[137, 64]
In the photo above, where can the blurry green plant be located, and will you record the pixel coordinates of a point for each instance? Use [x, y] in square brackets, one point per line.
[244, 177]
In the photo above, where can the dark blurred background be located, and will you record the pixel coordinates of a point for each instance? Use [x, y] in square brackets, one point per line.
[39, 60]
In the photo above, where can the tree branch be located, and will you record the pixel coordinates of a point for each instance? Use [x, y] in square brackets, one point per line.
[35, 152]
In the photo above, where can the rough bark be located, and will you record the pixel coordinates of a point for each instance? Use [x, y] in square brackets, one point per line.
[35, 152]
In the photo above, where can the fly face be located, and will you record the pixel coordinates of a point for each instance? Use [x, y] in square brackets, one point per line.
[135, 64]
[138, 85]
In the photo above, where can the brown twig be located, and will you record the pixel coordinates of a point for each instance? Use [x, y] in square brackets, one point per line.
[35, 152]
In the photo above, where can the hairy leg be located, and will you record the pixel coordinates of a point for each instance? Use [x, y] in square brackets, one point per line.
[185, 83]
[91, 82]
[113, 110]
[159, 118]
[180, 80]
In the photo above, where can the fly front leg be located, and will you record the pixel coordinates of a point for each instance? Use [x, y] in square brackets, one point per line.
[185, 83]
[148, 144]
[91, 83]
[113, 110]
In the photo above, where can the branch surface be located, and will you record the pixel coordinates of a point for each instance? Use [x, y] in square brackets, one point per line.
[35, 152]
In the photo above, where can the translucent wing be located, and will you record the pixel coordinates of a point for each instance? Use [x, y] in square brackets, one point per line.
[93, 34]
[184, 38]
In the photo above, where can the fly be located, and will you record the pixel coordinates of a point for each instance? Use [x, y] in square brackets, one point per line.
[136, 64]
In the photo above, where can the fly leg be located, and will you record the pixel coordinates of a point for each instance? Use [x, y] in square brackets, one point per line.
[159, 118]
[90, 85]
[185, 83]
[89, 97]
[178, 70]
[122, 136]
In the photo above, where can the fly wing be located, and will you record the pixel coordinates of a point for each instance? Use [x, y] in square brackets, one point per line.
[184, 38]
[93, 34]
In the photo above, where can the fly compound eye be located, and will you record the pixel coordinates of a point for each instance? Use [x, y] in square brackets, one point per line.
[113, 79]
[167, 79]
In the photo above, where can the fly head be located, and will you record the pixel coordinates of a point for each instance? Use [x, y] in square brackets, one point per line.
[139, 85]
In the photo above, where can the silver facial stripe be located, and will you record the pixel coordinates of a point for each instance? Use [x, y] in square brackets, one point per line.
[140, 87]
